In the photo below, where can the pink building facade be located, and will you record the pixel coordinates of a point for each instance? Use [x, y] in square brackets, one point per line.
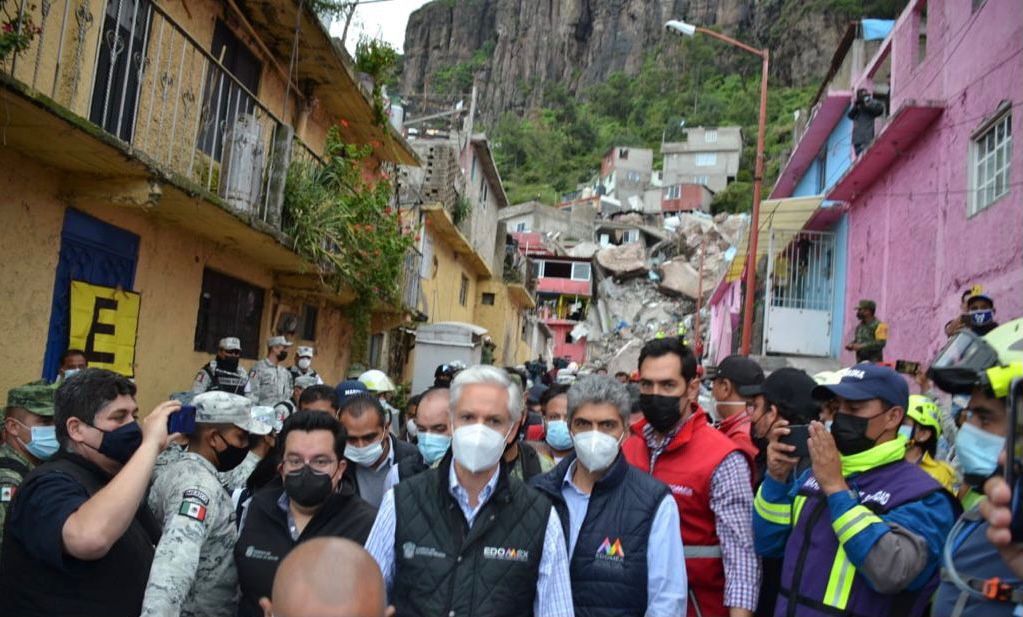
[935, 203]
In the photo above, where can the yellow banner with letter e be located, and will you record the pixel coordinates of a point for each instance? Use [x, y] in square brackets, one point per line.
[104, 324]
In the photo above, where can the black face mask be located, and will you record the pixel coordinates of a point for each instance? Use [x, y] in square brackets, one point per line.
[121, 443]
[229, 363]
[281, 356]
[850, 433]
[307, 487]
[231, 456]
[661, 412]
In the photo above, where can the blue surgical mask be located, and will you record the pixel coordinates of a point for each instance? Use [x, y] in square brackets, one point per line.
[558, 436]
[978, 450]
[71, 372]
[43, 441]
[906, 431]
[982, 317]
[433, 446]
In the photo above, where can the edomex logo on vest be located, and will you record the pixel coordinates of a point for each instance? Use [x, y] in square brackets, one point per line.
[611, 551]
[505, 554]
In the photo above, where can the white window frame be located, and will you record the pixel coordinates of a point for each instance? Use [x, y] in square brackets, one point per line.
[630, 235]
[990, 163]
[673, 192]
[581, 265]
[710, 137]
[706, 159]
[521, 226]
[701, 180]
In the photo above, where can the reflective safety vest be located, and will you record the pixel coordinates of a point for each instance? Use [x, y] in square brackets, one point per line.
[817, 578]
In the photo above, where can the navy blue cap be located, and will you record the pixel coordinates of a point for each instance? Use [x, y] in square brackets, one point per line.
[867, 381]
[349, 389]
[535, 393]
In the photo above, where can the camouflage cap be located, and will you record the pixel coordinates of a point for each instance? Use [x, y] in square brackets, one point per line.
[305, 381]
[35, 396]
[224, 408]
[870, 305]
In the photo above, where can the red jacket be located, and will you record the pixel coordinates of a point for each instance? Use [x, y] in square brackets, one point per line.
[737, 428]
[686, 466]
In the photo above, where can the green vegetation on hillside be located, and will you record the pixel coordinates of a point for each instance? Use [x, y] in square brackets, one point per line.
[555, 148]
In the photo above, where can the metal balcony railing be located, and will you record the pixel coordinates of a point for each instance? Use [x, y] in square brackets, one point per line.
[128, 67]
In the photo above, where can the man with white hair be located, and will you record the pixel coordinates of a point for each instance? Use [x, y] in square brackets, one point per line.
[465, 537]
[621, 524]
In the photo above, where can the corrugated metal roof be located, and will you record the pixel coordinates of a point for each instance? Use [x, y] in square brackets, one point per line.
[775, 214]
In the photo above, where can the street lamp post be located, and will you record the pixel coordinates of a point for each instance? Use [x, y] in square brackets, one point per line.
[684, 29]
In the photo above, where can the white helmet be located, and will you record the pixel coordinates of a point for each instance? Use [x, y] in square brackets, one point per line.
[376, 381]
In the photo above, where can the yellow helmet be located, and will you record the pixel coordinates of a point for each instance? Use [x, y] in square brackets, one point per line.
[924, 412]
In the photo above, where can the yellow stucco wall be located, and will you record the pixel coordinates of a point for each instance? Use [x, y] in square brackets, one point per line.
[168, 276]
[441, 286]
[502, 319]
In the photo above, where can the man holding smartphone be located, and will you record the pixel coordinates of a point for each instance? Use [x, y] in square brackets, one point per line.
[861, 532]
[983, 368]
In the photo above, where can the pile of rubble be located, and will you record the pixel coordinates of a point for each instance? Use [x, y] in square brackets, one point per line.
[647, 292]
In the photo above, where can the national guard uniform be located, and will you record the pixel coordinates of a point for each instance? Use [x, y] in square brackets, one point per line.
[230, 480]
[304, 353]
[271, 383]
[873, 335]
[214, 376]
[36, 398]
[193, 572]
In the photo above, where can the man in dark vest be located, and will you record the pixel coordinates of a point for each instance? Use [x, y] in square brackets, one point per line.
[79, 539]
[223, 372]
[621, 524]
[372, 450]
[862, 530]
[433, 436]
[312, 503]
[466, 538]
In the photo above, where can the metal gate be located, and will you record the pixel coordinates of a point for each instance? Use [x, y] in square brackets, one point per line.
[800, 288]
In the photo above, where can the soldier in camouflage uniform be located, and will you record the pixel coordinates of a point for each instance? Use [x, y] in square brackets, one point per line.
[223, 372]
[29, 437]
[271, 381]
[304, 365]
[193, 573]
[871, 335]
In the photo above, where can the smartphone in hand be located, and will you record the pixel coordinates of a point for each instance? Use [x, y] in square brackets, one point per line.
[182, 421]
[906, 367]
[798, 435]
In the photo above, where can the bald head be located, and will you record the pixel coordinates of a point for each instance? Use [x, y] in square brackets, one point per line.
[327, 577]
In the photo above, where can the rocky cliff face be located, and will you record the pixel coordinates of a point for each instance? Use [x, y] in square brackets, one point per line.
[529, 44]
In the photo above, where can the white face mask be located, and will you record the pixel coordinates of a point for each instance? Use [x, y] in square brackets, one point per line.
[477, 447]
[596, 450]
[410, 426]
[364, 455]
[304, 363]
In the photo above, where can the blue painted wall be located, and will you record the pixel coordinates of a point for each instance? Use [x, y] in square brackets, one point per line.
[839, 159]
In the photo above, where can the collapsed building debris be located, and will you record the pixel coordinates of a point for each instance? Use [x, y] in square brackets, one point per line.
[646, 293]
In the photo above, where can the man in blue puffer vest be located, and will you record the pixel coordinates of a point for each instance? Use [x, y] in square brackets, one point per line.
[621, 525]
[862, 530]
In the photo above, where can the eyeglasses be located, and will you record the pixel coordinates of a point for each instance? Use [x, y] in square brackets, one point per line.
[321, 464]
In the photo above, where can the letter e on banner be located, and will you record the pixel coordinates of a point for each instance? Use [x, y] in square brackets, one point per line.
[104, 324]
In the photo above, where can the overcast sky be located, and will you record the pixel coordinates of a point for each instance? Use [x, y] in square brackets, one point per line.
[382, 19]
